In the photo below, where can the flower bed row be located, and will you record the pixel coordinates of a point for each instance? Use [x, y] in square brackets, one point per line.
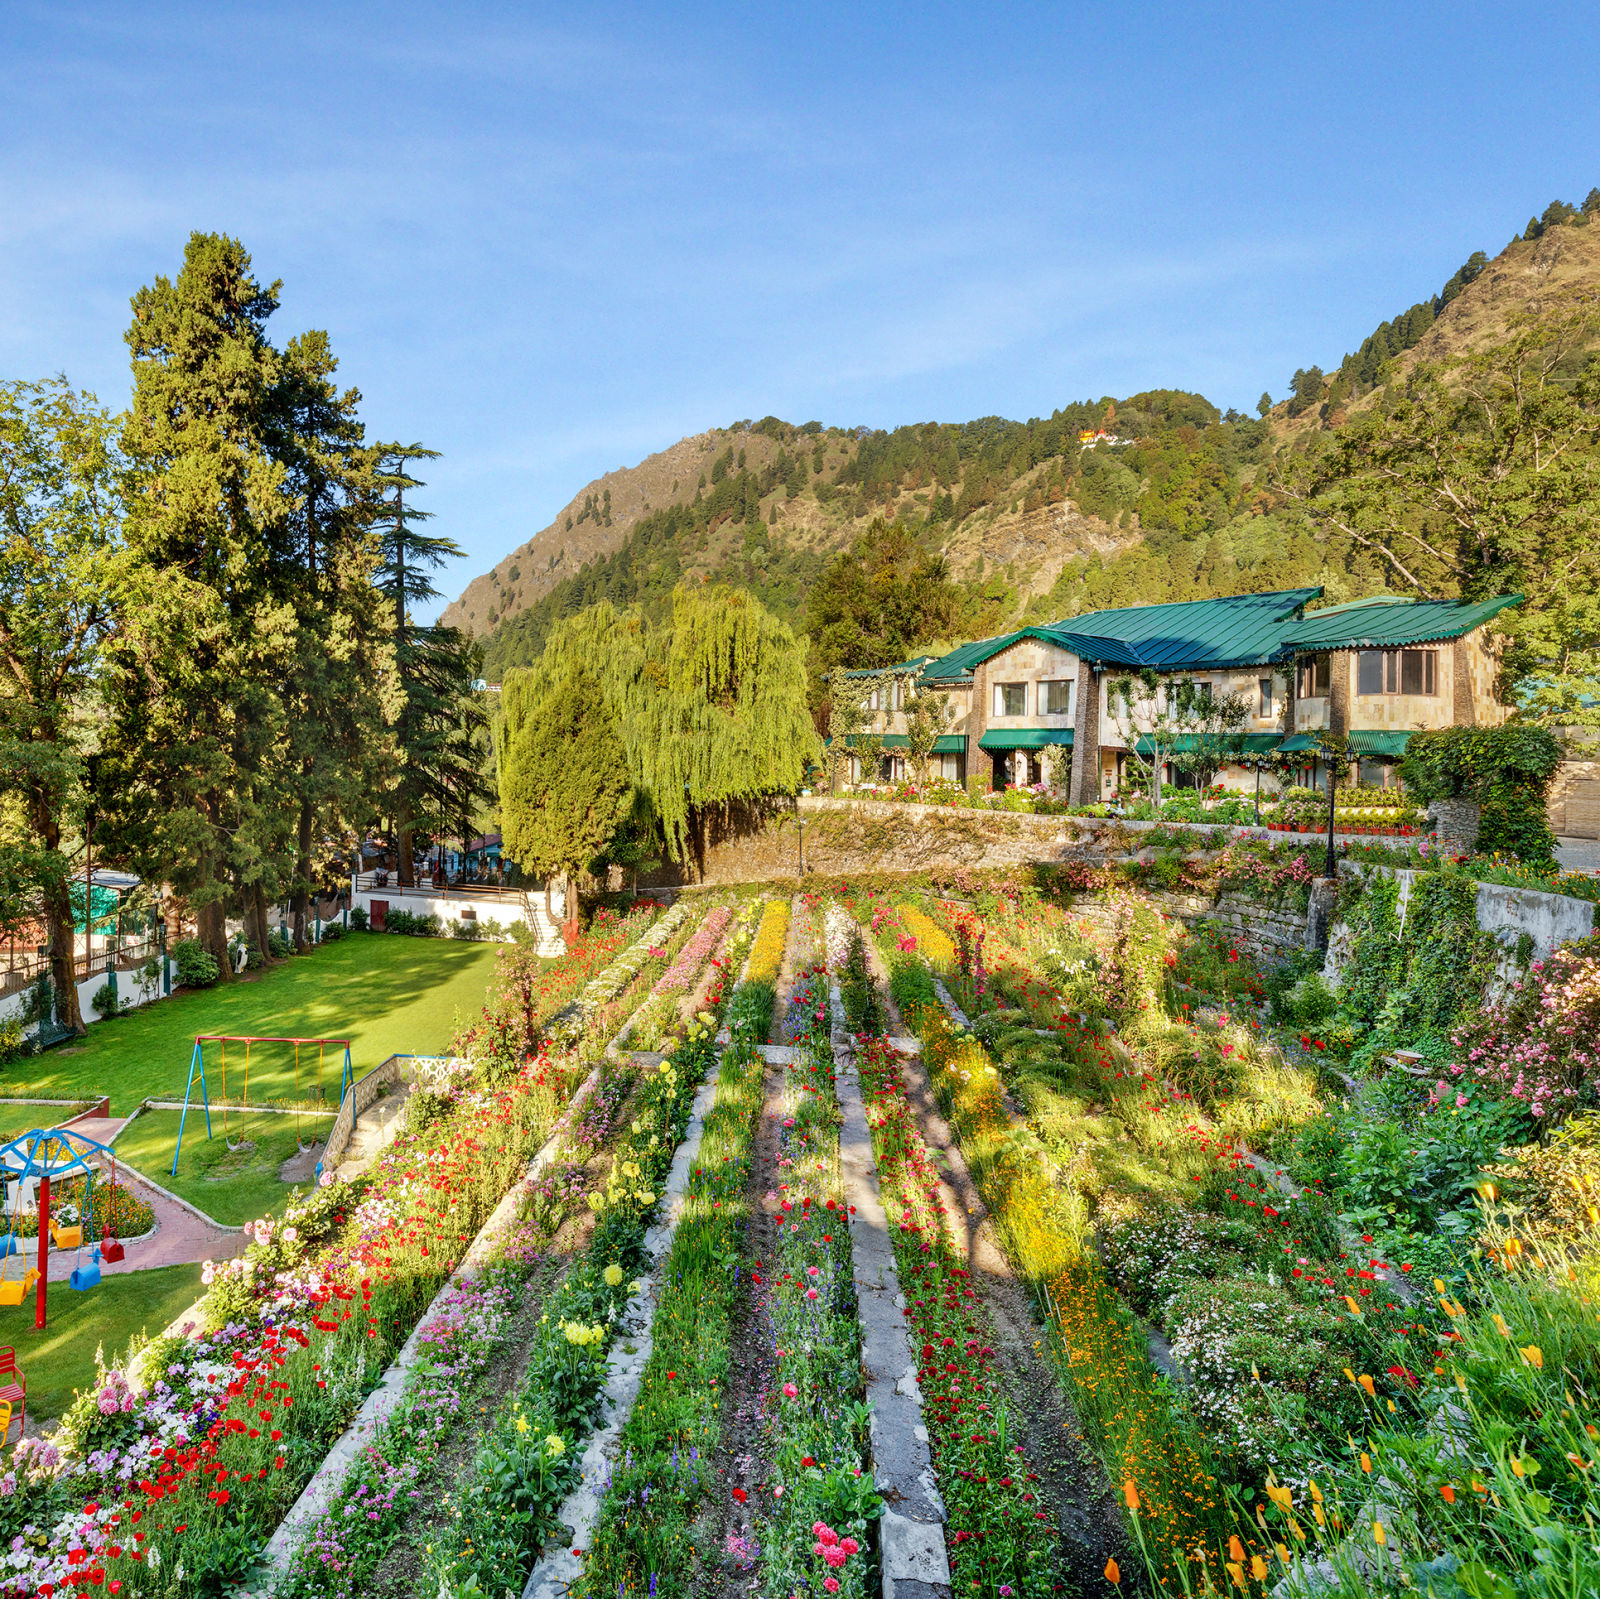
[380, 1494]
[1000, 1540]
[820, 1500]
[641, 1544]
[766, 952]
[528, 993]
[195, 1470]
[680, 977]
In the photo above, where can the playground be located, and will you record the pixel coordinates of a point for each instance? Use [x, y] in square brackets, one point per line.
[387, 994]
[263, 1062]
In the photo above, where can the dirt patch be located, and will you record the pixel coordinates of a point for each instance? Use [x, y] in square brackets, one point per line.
[301, 1168]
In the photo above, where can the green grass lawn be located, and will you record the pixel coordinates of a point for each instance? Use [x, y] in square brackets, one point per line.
[60, 1359]
[387, 994]
[233, 1186]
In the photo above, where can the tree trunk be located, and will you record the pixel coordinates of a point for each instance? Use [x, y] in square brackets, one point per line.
[569, 931]
[405, 875]
[211, 926]
[63, 961]
[302, 877]
[258, 897]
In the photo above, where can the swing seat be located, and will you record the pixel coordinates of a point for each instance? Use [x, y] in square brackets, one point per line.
[111, 1249]
[67, 1237]
[84, 1277]
[13, 1293]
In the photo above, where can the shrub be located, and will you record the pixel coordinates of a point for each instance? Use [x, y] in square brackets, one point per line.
[359, 919]
[332, 932]
[14, 1044]
[1506, 770]
[105, 1003]
[278, 946]
[197, 967]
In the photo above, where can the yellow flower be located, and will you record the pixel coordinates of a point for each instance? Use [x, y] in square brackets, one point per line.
[1378, 1534]
[647, 1196]
[1500, 1325]
[554, 1446]
[522, 1423]
[1534, 1356]
[613, 1275]
[1281, 1497]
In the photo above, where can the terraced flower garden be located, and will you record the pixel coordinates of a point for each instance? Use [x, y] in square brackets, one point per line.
[1203, 1288]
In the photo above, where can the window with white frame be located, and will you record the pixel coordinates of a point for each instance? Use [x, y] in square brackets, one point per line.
[1057, 696]
[1011, 699]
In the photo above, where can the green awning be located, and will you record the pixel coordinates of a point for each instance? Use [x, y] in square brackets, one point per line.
[1026, 738]
[1362, 742]
[1242, 744]
[1365, 743]
[945, 744]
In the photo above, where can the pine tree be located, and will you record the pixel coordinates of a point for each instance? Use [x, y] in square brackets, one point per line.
[206, 639]
[338, 751]
[435, 666]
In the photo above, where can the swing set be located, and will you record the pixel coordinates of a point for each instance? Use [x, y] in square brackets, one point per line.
[197, 1067]
[41, 1157]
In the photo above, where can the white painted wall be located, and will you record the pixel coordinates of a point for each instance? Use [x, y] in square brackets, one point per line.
[129, 986]
[505, 908]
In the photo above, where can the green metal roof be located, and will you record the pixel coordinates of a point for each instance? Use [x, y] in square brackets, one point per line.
[1384, 624]
[1188, 635]
[1026, 738]
[1301, 742]
[915, 664]
[950, 744]
[1192, 635]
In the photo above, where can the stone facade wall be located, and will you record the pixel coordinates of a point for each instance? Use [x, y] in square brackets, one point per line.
[1263, 931]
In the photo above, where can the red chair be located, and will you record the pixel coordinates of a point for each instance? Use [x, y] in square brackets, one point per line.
[15, 1389]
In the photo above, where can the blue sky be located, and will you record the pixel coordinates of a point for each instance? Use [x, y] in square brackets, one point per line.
[548, 240]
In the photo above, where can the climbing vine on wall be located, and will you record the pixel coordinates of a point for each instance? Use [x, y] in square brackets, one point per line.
[1417, 961]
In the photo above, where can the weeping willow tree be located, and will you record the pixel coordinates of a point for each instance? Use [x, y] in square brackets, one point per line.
[710, 703]
[726, 712]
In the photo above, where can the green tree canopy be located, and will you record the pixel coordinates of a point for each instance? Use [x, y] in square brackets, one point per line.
[564, 786]
[1481, 475]
[62, 575]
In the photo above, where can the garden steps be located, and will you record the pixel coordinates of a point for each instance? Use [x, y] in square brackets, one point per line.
[375, 1127]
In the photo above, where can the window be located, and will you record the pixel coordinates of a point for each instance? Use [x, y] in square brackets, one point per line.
[1011, 699]
[1316, 677]
[1264, 684]
[1057, 697]
[873, 700]
[1396, 672]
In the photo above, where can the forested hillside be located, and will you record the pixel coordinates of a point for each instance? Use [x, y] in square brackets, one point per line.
[1105, 502]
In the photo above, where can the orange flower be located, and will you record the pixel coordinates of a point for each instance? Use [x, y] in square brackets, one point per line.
[1366, 1382]
[1130, 1495]
[1113, 1575]
[1448, 1494]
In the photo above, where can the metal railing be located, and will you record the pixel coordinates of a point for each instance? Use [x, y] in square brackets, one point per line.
[379, 882]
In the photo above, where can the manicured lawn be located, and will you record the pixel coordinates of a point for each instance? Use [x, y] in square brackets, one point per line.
[61, 1358]
[233, 1186]
[387, 994]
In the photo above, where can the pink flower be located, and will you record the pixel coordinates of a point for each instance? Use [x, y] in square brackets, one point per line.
[811, 1293]
[831, 1584]
[789, 1390]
